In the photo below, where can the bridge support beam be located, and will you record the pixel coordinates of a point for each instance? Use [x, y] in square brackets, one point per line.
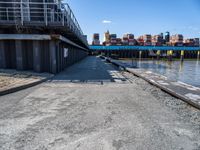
[182, 55]
[19, 55]
[2, 55]
[36, 56]
[53, 60]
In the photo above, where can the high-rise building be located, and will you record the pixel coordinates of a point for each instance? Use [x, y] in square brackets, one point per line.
[189, 42]
[167, 37]
[162, 35]
[196, 42]
[157, 40]
[147, 39]
[140, 41]
[125, 40]
[131, 40]
[96, 39]
[119, 41]
[176, 40]
[192, 42]
[113, 39]
[107, 37]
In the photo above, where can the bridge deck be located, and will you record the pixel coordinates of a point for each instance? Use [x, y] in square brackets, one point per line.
[143, 48]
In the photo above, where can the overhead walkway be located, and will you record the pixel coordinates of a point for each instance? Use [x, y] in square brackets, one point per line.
[41, 16]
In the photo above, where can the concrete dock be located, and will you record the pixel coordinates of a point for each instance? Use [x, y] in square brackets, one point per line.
[185, 92]
[94, 106]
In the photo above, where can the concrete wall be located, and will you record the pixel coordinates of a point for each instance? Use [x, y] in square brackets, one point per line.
[39, 56]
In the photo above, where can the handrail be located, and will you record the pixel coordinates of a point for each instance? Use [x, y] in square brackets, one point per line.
[41, 11]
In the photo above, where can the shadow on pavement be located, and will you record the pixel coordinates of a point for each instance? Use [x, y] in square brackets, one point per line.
[90, 69]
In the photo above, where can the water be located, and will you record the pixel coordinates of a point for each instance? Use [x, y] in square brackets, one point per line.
[187, 71]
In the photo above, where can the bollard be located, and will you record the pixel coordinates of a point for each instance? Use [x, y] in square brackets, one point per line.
[140, 55]
[158, 54]
[170, 54]
[198, 55]
[182, 55]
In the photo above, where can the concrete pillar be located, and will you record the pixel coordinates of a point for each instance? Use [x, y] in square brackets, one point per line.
[19, 55]
[53, 60]
[182, 55]
[198, 55]
[37, 56]
[2, 55]
[158, 54]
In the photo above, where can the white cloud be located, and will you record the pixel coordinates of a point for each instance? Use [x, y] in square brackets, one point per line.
[193, 28]
[106, 21]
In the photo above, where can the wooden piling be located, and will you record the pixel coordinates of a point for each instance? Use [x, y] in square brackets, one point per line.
[140, 55]
[158, 54]
[170, 55]
[182, 55]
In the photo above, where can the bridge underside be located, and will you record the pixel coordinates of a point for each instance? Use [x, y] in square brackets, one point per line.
[144, 54]
[40, 53]
[143, 48]
[146, 51]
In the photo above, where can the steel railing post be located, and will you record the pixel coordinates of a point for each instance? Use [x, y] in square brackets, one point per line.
[22, 17]
[7, 14]
[63, 18]
[45, 14]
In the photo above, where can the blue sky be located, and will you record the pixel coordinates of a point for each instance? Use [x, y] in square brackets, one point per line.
[138, 16]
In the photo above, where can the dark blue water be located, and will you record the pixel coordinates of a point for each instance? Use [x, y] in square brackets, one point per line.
[187, 71]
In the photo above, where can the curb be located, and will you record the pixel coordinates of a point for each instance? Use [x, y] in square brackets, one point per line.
[19, 88]
[165, 89]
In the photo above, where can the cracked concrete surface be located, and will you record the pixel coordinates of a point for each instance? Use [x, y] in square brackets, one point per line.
[124, 115]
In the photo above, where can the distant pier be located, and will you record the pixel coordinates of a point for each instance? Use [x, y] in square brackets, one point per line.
[146, 52]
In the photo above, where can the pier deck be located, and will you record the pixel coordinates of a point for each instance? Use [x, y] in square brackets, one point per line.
[188, 93]
[83, 115]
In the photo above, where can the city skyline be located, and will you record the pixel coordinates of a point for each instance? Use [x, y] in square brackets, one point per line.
[162, 39]
[141, 17]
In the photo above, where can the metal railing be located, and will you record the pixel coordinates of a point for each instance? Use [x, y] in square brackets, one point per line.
[22, 12]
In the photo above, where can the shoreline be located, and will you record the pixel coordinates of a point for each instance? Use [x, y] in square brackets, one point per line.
[164, 62]
[161, 59]
[185, 92]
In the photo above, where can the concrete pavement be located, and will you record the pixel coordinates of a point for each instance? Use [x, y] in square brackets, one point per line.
[185, 92]
[90, 70]
[122, 113]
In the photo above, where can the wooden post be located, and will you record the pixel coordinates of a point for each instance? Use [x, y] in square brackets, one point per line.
[140, 55]
[198, 55]
[170, 55]
[158, 54]
[182, 55]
